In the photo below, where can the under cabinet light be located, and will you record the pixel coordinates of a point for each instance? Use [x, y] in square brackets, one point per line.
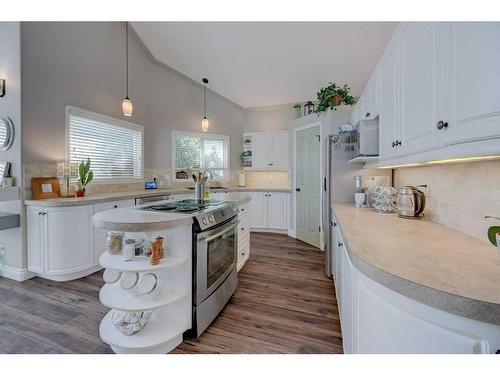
[463, 160]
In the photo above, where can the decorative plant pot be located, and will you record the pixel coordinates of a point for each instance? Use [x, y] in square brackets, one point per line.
[80, 193]
[336, 100]
[296, 113]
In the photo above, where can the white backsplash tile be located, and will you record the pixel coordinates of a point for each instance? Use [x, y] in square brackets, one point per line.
[460, 194]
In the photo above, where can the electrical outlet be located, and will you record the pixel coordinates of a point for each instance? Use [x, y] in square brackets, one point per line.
[425, 188]
[2, 254]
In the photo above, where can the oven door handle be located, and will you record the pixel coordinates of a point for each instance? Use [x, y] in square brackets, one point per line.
[208, 239]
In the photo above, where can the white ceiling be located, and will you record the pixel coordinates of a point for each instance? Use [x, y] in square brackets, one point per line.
[269, 63]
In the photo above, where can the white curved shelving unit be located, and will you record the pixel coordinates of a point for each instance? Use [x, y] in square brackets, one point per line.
[171, 303]
[114, 297]
[140, 263]
[160, 335]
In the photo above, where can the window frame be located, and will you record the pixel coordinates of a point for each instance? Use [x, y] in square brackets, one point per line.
[113, 122]
[227, 153]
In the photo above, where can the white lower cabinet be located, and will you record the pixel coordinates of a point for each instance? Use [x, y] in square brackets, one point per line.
[269, 211]
[243, 234]
[376, 319]
[61, 241]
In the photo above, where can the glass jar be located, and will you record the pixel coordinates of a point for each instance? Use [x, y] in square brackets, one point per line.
[114, 242]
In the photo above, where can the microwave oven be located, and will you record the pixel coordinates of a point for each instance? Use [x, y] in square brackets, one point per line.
[365, 138]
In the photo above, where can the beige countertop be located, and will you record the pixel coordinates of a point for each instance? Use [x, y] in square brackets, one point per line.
[107, 197]
[425, 261]
[134, 219]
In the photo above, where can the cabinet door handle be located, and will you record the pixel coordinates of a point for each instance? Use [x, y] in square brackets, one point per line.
[442, 124]
[368, 114]
[393, 144]
[334, 224]
[297, 189]
[115, 206]
[340, 244]
[242, 209]
[398, 143]
[242, 228]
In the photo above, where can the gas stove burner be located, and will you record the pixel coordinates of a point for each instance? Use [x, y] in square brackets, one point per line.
[164, 207]
[187, 209]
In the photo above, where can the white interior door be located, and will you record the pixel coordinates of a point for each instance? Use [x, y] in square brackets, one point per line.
[308, 199]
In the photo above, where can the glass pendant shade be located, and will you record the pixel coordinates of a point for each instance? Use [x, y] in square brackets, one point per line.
[204, 124]
[127, 107]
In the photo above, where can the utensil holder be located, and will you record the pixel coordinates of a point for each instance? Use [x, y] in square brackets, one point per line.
[199, 192]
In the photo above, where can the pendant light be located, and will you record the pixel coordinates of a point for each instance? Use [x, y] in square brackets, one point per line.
[204, 122]
[127, 106]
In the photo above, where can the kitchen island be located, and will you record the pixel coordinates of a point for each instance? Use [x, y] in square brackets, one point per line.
[407, 286]
[167, 308]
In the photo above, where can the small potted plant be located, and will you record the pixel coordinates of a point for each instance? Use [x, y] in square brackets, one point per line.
[331, 96]
[494, 233]
[296, 110]
[85, 177]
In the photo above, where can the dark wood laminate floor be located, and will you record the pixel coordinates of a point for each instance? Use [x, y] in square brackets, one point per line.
[283, 304]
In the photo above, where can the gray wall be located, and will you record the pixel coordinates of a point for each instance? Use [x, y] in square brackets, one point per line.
[82, 64]
[268, 118]
[10, 106]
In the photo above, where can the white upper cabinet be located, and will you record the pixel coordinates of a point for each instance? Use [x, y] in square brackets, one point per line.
[269, 150]
[371, 102]
[260, 147]
[475, 92]
[436, 85]
[389, 111]
[423, 84]
[278, 150]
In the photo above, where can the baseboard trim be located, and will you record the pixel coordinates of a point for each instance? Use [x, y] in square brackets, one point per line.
[259, 230]
[14, 273]
[292, 233]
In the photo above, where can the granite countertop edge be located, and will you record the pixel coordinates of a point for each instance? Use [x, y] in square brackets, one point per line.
[484, 311]
[109, 197]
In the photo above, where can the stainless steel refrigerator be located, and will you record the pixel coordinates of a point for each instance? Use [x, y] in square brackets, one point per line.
[339, 187]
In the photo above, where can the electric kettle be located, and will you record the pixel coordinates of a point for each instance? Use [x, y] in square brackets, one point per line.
[411, 203]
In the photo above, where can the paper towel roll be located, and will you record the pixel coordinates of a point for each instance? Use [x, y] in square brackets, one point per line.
[241, 180]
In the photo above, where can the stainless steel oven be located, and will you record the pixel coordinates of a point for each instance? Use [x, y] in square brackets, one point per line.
[215, 239]
[216, 258]
[215, 275]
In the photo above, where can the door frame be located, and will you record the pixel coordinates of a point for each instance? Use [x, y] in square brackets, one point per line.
[294, 181]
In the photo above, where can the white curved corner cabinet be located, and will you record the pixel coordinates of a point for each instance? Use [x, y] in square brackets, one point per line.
[62, 242]
[170, 302]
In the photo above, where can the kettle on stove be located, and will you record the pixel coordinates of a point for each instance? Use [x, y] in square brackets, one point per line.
[411, 203]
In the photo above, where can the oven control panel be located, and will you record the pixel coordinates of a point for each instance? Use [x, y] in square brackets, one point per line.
[212, 218]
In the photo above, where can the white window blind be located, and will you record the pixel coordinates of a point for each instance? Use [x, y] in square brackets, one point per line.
[195, 152]
[115, 147]
[3, 134]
